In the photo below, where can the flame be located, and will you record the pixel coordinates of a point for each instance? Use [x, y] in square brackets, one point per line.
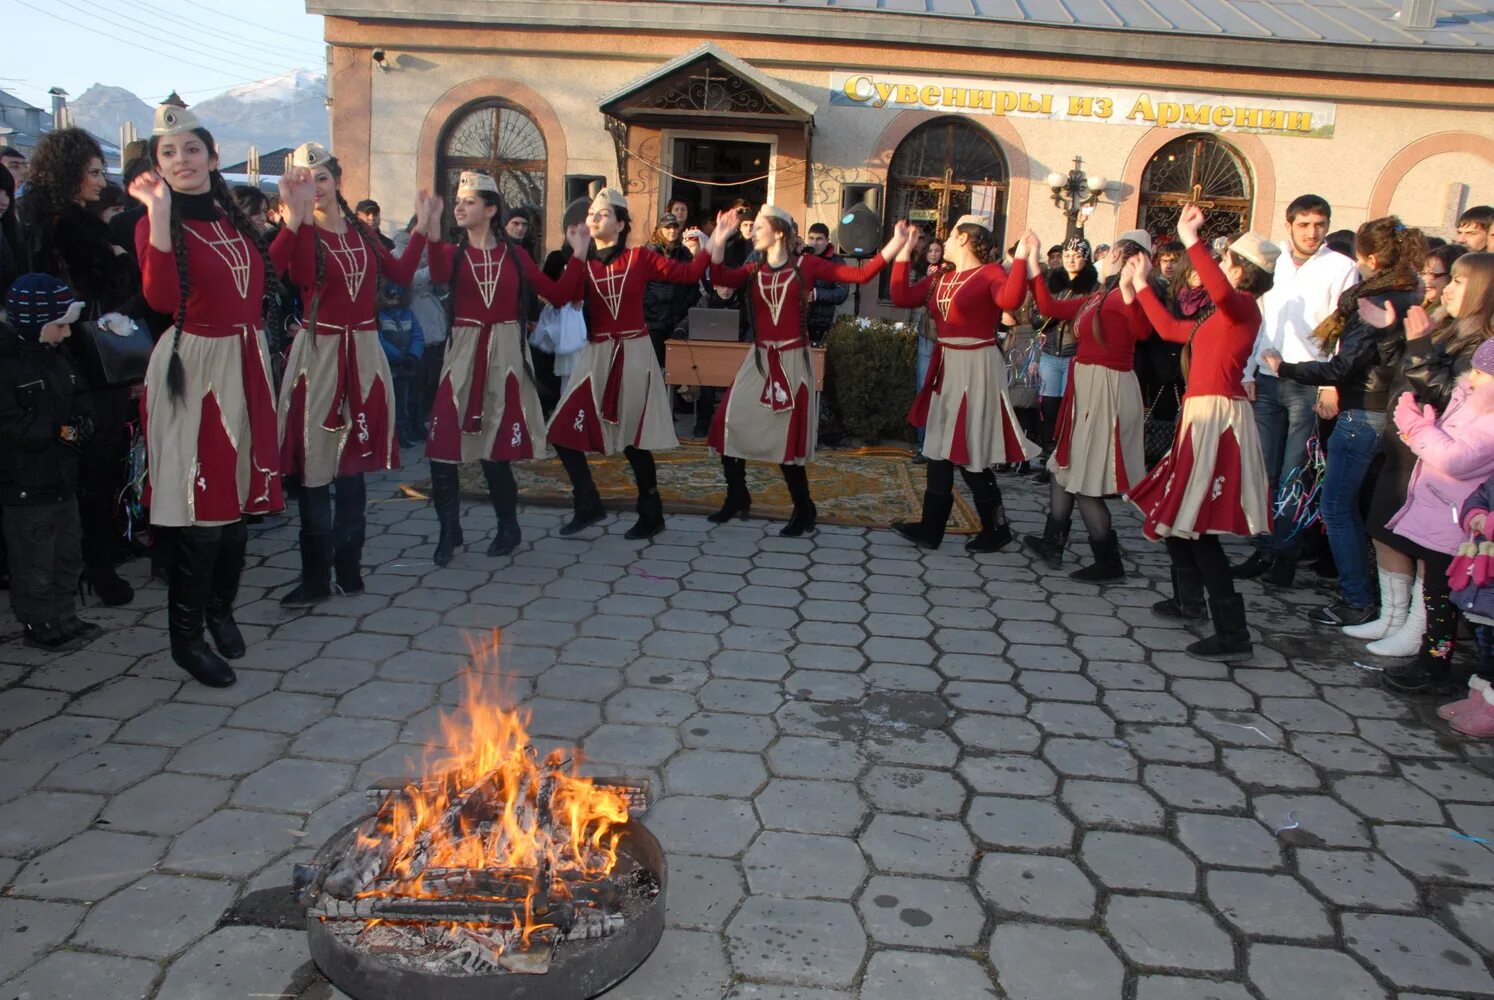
[485, 801]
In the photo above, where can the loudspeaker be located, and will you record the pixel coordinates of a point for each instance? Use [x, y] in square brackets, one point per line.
[860, 231]
[583, 186]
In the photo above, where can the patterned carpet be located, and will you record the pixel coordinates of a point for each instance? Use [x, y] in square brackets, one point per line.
[868, 487]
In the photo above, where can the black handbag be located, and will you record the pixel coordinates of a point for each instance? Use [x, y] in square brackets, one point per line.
[1157, 432]
[111, 360]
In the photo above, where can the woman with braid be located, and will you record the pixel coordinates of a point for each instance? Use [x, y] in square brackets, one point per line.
[968, 420]
[771, 412]
[337, 399]
[487, 406]
[208, 409]
[1098, 449]
[615, 400]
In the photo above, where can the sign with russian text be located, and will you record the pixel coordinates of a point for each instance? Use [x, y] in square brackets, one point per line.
[1071, 102]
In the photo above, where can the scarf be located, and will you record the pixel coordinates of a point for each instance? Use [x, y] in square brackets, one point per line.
[1192, 301]
[1330, 329]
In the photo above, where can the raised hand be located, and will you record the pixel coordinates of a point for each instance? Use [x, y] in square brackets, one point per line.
[1379, 317]
[1190, 221]
[579, 239]
[1032, 248]
[437, 207]
[1142, 270]
[1418, 324]
[896, 244]
[152, 191]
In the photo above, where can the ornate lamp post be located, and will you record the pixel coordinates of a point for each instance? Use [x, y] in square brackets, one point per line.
[1076, 194]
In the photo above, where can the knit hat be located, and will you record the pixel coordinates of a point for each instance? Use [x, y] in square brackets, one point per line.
[1259, 251]
[1079, 244]
[35, 300]
[1483, 358]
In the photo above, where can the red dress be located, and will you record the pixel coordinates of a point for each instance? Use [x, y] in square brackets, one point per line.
[487, 406]
[963, 405]
[771, 411]
[337, 400]
[1213, 480]
[213, 454]
[1099, 445]
[615, 397]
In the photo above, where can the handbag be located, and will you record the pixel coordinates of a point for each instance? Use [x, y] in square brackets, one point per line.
[1022, 387]
[110, 359]
[1158, 433]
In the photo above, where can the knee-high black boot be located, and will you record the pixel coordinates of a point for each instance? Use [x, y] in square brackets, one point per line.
[349, 528]
[803, 519]
[227, 569]
[995, 532]
[650, 505]
[738, 500]
[504, 493]
[315, 504]
[192, 573]
[586, 501]
[446, 493]
[938, 501]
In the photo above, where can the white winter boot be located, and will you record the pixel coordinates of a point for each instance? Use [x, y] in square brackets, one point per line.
[1406, 640]
[1395, 591]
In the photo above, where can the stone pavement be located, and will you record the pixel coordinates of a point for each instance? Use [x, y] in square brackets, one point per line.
[881, 771]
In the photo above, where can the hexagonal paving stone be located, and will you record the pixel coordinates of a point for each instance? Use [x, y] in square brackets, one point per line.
[1274, 906]
[921, 913]
[1025, 824]
[294, 785]
[1168, 934]
[158, 917]
[89, 866]
[895, 975]
[38, 820]
[1039, 962]
[1193, 788]
[816, 942]
[1414, 952]
[802, 864]
[1279, 971]
[917, 846]
[31, 928]
[703, 892]
[1112, 803]
[830, 807]
[166, 803]
[914, 790]
[81, 974]
[712, 827]
[232, 842]
[1135, 861]
[238, 961]
[1042, 887]
[714, 772]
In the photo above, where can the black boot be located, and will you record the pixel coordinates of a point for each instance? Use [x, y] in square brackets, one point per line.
[928, 533]
[192, 578]
[1107, 565]
[1187, 600]
[1231, 638]
[227, 570]
[504, 493]
[650, 517]
[1427, 674]
[49, 636]
[107, 586]
[586, 501]
[803, 519]
[995, 532]
[316, 573]
[1050, 544]
[349, 526]
[738, 501]
[1253, 567]
[447, 497]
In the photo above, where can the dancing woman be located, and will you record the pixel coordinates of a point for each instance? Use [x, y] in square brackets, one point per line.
[337, 400]
[487, 407]
[1213, 480]
[208, 409]
[1098, 447]
[615, 400]
[963, 408]
[771, 411]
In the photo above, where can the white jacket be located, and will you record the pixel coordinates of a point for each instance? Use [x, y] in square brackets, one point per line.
[1301, 297]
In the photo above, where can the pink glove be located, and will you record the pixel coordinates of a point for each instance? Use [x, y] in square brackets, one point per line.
[1410, 418]
[1483, 564]
[1460, 573]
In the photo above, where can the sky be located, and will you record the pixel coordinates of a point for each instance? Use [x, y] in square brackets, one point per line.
[198, 48]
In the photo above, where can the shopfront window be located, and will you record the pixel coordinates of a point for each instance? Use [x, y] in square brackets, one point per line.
[1199, 169]
[499, 139]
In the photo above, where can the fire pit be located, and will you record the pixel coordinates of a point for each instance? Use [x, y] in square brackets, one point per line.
[497, 874]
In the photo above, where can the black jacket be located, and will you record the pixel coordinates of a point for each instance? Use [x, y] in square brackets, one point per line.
[39, 393]
[665, 304]
[1368, 362]
[827, 296]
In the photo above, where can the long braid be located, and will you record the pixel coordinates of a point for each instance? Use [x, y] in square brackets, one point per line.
[512, 250]
[230, 205]
[364, 233]
[176, 375]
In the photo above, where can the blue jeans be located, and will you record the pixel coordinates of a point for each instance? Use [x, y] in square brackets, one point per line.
[925, 352]
[1351, 447]
[1285, 420]
[1054, 373]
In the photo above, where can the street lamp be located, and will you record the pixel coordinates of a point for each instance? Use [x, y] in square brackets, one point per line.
[1076, 194]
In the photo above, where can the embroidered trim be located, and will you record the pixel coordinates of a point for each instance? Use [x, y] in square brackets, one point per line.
[231, 247]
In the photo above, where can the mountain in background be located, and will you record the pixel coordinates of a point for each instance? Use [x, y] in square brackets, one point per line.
[284, 110]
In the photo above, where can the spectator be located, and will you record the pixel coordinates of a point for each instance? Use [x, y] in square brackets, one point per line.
[44, 418]
[1075, 278]
[14, 160]
[69, 241]
[1308, 283]
[516, 225]
[666, 304]
[933, 264]
[403, 343]
[1055, 258]
[1437, 271]
[1365, 346]
[368, 213]
[680, 209]
[827, 296]
[254, 204]
[1169, 256]
[435, 323]
[122, 227]
[1473, 227]
[1186, 295]
[111, 202]
[12, 243]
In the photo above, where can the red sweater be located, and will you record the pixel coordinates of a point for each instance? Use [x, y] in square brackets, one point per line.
[614, 291]
[963, 303]
[1221, 344]
[777, 287]
[349, 287]
[225, 275]
[485, 286]
[1120, 325]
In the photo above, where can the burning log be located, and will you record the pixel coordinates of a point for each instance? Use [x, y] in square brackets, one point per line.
[444, 911]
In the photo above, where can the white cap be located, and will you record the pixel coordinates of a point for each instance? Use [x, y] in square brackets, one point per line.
[310, 154]
[609, 197]
[475, 180]
[982, 221]
[1140, 237]
[173, 119]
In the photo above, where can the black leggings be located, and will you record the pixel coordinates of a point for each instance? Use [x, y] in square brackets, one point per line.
[1442, 617]
[1093, 510]
[1205, 555]
[645, 473]
[982, 484]
[1048, 407]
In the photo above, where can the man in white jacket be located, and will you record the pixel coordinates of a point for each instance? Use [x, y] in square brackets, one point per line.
[1304, 292]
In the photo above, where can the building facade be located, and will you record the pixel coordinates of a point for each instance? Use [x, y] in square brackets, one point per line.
[923, 111]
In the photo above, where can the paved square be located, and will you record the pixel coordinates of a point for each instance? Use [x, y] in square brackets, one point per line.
[880, 772]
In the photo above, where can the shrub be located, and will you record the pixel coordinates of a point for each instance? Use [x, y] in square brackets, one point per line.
[869, 370]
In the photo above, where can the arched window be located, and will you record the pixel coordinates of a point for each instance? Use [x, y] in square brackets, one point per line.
[1196, 168]
[942, 170]
[500, 139]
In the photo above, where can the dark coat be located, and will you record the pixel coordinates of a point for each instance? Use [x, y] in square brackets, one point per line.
[39, 393]
[1368, 361]
[827, 296]
[665, 304]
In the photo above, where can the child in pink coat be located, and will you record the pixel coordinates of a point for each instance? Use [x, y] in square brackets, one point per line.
[1455, 454]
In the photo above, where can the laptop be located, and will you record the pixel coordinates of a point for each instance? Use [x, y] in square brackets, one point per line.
[714, 324]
